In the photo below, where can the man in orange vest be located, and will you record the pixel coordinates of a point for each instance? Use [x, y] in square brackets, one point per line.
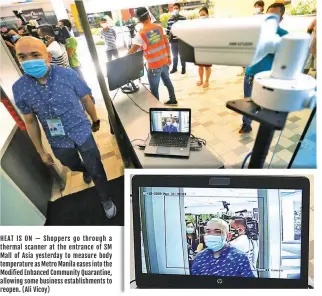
[156, 49]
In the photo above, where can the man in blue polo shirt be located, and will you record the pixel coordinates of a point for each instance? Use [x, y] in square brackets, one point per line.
[220, 259]
[264, 65]
[53, 95]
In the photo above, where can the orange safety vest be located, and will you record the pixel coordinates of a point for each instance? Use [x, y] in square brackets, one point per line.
[155, 52]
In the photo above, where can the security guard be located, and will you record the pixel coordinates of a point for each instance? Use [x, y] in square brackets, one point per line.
[156, 49]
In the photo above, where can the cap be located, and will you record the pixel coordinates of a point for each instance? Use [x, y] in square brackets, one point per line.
[141, 11]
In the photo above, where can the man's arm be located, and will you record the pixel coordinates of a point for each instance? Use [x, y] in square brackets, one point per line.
[166, 42]
[35, 135]
[167, 45]
[134, 49]
[137, 43]
[90, 107]
[169, 24]
[312, 26]
[70, 51]
[245, 269]
[195, 266]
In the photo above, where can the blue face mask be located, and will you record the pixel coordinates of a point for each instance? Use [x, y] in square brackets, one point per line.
[215, 242]
[203, 17]
[35, 68]
[14, 38]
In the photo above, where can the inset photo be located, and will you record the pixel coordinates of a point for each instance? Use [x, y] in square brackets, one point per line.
[221, 231]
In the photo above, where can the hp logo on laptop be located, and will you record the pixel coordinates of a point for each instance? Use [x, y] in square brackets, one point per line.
[219, 281]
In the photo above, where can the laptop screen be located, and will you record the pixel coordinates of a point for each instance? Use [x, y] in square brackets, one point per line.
[223, 232]
[164, 121]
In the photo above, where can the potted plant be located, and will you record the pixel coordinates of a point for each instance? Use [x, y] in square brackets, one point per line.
[304, 7]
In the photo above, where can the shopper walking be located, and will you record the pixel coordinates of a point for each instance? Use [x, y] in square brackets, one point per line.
[157, 53]
[52, 95]
[263, 65]
[203, 14]
[109, 36]
[174, 41]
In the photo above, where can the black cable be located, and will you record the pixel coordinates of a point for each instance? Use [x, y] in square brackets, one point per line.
[137, 104]
[199, 140]
[140, 146]
[146, 87]
[132, 281]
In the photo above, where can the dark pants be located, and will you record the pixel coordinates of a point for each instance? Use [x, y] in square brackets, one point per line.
[110, 53]
[175, 53]
[248, 88]
[154, 76]
[91, 163]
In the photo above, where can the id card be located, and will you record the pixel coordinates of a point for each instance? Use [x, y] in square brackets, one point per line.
[55, 127]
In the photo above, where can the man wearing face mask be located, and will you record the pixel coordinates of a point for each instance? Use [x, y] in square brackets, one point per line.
[220, 259]
[237, 238]
[152, 40]
[169, 127]
[174, 40]
[259, 7]
[264, 64]
[109, 36]
[53, 95]
[191, 237]
[71, 46]
[14, 35]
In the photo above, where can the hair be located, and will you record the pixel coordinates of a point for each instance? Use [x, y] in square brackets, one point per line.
[223, 223]
[21, 28]
[205, 9]
[47, 30]
[177, 4]
[239, 220]
[281, 6]
[66, 23]
[142, 14]
[259, 3]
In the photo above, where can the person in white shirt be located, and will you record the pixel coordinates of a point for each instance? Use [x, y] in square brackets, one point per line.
[57, 50]
[237, 238]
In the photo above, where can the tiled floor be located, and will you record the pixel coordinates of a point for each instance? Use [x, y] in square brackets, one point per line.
[211, 119]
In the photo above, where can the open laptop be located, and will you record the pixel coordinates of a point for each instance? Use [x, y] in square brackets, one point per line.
[262, 223]
[170, 131]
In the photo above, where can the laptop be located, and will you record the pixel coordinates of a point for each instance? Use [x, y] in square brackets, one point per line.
[203, 231]
[170, 131]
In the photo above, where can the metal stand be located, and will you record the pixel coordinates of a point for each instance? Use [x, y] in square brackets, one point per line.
[130, 88]
[101, 80]
[269, 122]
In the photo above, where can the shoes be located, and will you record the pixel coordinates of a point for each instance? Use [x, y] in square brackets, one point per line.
[173, 71]
[87, 178]
[173, 103]
[183, 71]
[109, 208]
[245, 129]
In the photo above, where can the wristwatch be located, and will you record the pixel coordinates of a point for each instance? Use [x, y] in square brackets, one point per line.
[96, 126]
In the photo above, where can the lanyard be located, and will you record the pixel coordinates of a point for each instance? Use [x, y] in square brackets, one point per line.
[50, 94]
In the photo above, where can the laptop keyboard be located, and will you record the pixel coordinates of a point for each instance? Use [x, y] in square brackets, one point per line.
[169, 141]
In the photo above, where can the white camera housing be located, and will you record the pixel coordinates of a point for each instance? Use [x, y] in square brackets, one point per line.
[230, 41]
[246, 41]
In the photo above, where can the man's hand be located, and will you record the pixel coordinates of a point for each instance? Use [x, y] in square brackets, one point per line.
[133, 49]
[96, 126]
[46, 158]
[169, 61]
